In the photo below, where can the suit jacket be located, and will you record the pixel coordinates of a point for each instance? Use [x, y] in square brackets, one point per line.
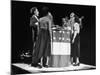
[33, 22]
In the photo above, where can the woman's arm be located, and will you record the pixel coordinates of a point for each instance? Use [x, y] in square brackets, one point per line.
[75, 34]
[76, 31]
[50, 28]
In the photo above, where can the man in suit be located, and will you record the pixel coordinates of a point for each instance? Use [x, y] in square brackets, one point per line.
[34, 24]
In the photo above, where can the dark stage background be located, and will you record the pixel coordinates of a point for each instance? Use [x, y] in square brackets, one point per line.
[21, 32]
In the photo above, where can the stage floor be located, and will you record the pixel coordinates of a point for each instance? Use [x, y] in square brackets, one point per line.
[31, 69]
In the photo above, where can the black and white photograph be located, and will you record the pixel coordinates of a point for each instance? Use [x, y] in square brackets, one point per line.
[52, 37]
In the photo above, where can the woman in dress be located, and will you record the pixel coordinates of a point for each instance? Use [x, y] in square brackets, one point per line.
[76, 42]
[43, 42]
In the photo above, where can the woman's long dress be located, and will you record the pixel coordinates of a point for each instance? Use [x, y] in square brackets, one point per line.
[75, 52]
[42, 47]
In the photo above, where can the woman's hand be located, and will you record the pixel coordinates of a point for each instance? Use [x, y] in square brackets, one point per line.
[73, 41]
[37, 23]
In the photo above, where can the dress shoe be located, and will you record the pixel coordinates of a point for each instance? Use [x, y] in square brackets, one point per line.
[78, 64]
[36, 65]
[45, 66]
[73, 64]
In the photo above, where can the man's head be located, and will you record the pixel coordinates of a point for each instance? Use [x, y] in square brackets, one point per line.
[34, 11]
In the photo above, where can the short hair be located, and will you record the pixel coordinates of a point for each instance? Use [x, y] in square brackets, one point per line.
[45, 11]
[32, 10]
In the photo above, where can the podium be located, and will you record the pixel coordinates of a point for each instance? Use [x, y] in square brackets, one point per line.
[61, 48]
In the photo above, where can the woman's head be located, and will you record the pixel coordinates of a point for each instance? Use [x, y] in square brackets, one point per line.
[45, 11]
[72, 15]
